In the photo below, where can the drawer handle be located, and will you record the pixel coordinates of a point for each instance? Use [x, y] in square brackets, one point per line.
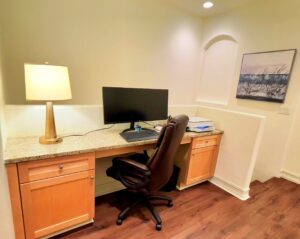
[206, 141]
[92, 177]
[61, 166]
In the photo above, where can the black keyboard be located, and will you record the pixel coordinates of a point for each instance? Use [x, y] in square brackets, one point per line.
[132, 136]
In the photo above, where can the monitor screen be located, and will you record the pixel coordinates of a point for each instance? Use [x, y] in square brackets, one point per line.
[122, 105]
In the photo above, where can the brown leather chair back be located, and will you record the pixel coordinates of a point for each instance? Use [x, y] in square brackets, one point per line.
[162, 161]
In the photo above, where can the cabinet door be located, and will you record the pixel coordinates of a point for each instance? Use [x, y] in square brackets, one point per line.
[54, 204]
[202, 164]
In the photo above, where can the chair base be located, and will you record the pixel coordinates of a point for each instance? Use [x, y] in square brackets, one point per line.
[146, 200]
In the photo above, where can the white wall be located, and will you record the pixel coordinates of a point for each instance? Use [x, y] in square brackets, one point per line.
[291, 166]
[263, 26]
[238, 150]
[6, 224]
[149, 43]
[69, 119]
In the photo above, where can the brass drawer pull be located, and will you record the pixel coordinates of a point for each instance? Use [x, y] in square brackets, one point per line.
[61, 166]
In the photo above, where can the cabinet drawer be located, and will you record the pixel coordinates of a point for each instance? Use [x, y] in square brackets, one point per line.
[43, 169]
[205, 142]
[202, 164]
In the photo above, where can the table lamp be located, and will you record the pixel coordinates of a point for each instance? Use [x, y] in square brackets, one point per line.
[47, 83]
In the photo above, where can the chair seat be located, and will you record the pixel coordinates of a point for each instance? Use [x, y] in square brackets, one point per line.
[138, 157]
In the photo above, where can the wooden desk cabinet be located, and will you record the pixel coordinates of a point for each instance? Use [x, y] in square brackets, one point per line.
[57, 194]
[49, 196]
[198, 161]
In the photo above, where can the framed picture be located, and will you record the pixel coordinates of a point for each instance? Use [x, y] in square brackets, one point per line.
[265, 75]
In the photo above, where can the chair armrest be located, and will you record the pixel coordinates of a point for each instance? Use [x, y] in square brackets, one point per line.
[132, 174]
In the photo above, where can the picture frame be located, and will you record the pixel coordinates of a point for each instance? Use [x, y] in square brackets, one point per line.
[264, 76]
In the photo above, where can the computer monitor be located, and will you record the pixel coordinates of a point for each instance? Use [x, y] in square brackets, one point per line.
[129, 105]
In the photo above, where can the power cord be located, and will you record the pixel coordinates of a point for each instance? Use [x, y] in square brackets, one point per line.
[153, 125]
[74, 135]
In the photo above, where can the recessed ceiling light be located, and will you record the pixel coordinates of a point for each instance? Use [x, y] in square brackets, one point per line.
[208, 4]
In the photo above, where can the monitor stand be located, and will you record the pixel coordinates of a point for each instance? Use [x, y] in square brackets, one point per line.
[130, 135]
[133, 129]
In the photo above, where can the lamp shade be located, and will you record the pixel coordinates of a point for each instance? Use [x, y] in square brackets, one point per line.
[47, 82]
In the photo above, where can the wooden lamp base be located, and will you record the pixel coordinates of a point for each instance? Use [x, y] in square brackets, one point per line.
[50, 130]
[43, 140]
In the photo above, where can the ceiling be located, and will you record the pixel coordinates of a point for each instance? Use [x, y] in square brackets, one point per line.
[221, 6]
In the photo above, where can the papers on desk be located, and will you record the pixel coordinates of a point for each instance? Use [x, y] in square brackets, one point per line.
[198, 124]
[158, 128]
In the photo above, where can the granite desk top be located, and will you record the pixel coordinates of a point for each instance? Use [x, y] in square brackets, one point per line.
[28, 148]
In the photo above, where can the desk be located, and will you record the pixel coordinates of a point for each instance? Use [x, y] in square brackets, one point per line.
[60, 178]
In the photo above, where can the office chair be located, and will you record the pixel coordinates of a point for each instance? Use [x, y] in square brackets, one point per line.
[145, 179]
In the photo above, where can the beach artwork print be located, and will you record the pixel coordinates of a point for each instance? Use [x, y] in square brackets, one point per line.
[265, 76]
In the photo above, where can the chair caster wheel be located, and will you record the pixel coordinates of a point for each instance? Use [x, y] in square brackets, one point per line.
[170, 204]
[119, 221]
[158, 227]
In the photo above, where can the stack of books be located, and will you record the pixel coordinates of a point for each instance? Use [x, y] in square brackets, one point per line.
[198, 124]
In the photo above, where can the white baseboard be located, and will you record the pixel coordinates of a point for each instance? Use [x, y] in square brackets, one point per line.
[240, 193]
[293, 177]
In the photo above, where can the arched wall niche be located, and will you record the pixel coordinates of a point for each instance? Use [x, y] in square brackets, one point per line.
[219, 38]
[219, 64]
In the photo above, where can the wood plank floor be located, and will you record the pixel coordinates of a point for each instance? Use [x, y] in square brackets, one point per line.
[207, 212]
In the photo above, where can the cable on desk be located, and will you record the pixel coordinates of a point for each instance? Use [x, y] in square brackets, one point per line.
[71, 135]
[153, 125]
